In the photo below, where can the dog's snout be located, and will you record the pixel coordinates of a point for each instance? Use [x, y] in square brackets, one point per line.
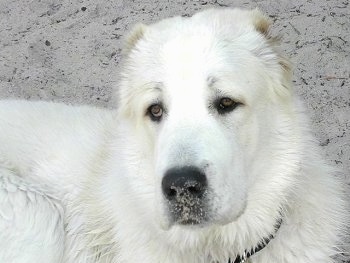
[188, 180]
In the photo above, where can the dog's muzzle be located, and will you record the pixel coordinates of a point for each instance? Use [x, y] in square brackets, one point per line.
[185, 190]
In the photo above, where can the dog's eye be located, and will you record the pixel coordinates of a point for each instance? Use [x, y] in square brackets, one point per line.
[155, 112]
[225, 105]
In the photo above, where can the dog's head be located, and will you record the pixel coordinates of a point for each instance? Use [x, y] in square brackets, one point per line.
[202, 95]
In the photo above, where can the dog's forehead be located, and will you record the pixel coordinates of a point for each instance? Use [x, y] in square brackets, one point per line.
[188, 58]
[184, 53]
[195, 61]
[198, 44]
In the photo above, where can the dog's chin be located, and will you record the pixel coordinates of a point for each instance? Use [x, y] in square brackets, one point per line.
[168, 222]
[185, 224]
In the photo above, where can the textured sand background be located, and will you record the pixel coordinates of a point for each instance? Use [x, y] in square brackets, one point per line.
[69, 51]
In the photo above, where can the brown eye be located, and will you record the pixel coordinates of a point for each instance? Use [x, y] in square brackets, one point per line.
[225, 105]
[155, 112]
[226, 102]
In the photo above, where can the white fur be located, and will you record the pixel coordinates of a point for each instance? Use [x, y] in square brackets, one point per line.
[261, 161]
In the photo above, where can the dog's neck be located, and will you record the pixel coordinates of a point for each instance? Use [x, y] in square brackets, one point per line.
[261, 245]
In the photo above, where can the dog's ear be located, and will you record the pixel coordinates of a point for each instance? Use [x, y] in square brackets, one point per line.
[136, 33]
[262, 24]
[260, 21]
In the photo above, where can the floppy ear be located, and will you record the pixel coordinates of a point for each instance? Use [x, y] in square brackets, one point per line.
[260, 21]
[136, 33]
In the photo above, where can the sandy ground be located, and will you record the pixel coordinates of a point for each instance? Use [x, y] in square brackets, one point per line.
[70, 51]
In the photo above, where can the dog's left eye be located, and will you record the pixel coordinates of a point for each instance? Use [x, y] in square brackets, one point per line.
[155, 111]
[225, 105]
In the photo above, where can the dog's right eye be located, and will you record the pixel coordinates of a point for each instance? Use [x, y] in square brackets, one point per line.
[155, 111]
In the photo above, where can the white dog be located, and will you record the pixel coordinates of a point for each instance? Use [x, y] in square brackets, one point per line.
[208, 159]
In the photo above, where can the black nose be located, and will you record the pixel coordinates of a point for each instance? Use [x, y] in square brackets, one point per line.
[186, 180]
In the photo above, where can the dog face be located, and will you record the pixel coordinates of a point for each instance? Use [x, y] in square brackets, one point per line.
[199, 91]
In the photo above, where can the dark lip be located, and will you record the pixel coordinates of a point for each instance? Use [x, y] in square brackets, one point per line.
[193, 222]
[189, 222]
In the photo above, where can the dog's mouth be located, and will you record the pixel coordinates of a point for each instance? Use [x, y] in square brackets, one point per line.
[190, 222]
[190, 216]
[185, 192]
[185, 209]
[196, 213]
[189, 200]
